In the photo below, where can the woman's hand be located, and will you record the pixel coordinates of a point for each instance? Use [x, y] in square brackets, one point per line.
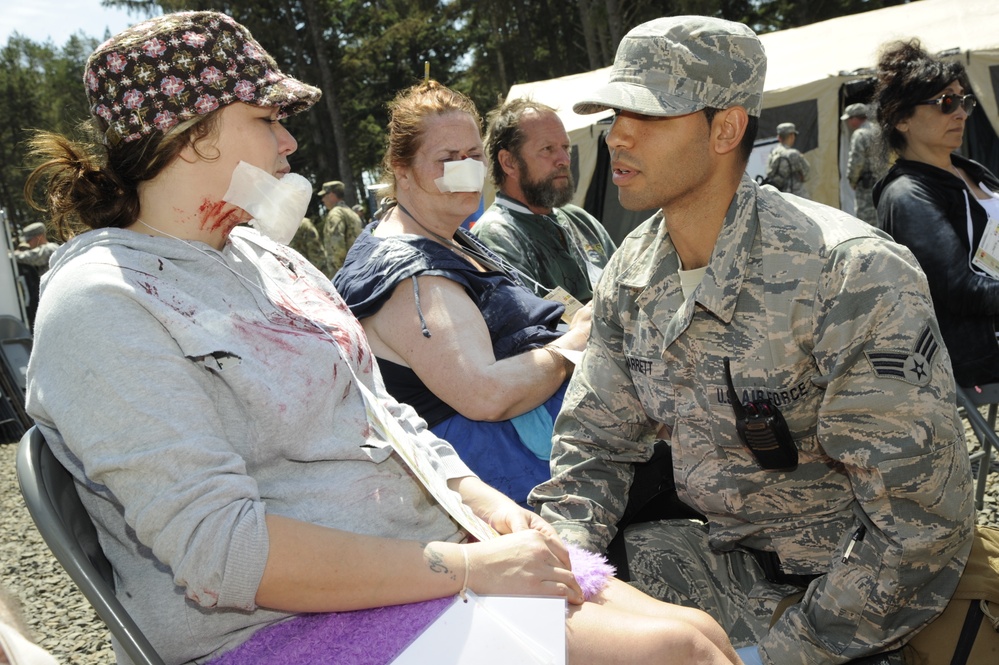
[496, 509]
[579, 330]
[526, 562]
[511, 518]
[582, 318]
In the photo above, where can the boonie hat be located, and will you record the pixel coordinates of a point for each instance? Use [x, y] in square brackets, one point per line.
[334, 186]
[855, 111]
[171, 68]
[682, 64]
[785, 128]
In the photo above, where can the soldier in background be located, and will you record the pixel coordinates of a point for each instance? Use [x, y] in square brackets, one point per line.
[787, 168]
[733, 306]
[32, 256]
[35, 248]
[309, 244]
[866, 163]
[340, 226]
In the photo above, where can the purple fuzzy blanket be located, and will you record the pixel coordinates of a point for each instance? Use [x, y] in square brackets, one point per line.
[371, 637]
[364, 637]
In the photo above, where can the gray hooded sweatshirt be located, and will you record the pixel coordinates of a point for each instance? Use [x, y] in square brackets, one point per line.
[191, 391]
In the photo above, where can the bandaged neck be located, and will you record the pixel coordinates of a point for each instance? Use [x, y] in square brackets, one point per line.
[277, 205]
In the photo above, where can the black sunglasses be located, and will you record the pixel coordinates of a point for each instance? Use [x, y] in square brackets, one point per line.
[949, 103]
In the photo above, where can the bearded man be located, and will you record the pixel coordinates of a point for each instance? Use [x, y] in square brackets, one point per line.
[549, 242]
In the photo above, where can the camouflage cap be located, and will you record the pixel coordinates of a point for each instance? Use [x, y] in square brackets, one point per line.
[785, 128]
[158, 73]
[334, 186]
[682, 64]
[855, 111]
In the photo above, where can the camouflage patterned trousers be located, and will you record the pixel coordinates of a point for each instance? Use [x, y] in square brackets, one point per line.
[672, 560]
[865, 205]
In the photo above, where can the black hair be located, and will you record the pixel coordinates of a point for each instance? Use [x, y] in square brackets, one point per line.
[907, 75]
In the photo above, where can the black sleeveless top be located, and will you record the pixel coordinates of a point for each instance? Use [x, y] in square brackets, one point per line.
[517, 319]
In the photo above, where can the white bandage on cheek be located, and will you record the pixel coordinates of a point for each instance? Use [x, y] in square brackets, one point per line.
[277, 205]
[467, 175]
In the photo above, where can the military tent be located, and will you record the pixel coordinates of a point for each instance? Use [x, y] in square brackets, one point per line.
[813, 72]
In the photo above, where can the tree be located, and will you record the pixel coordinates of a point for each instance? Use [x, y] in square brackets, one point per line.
[362, 53]
[40, 87]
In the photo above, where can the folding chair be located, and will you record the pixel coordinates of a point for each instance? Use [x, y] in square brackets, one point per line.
[15, 349]
[969, 399]
[50, 494]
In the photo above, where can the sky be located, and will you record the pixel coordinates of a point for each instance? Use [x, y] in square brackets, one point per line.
[41, 20]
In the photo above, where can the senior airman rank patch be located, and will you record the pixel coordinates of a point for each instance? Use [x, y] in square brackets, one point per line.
[912, 366]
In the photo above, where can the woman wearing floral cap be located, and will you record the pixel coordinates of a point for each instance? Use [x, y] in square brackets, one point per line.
[219, 408]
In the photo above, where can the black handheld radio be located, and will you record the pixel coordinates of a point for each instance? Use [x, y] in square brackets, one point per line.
[763, 430]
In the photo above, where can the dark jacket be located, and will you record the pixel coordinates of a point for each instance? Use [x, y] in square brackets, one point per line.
[925, 209]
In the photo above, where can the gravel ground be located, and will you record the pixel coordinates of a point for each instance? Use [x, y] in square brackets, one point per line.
[63, 621]
[58, 615]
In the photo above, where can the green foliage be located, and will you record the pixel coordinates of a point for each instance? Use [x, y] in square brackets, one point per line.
[40, 87]
[367, 51]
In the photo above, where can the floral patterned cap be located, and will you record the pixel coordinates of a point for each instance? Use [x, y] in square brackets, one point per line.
[158, 73]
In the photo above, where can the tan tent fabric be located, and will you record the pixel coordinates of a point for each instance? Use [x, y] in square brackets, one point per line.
[813, 62]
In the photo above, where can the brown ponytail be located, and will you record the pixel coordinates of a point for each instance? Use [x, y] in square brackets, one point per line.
[92, 185]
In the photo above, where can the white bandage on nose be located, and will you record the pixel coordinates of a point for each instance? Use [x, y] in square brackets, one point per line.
[467, 175]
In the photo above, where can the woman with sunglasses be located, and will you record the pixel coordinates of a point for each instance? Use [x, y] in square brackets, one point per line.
[938, 203]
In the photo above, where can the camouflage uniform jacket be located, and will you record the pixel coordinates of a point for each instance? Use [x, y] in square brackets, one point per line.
[865, 166]
[833, 322]
[37, 257]
[341, 226]
[566, 248]
[308, 243]
[788, 170]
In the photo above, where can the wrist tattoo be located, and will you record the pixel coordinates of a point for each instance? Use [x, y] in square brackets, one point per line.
[436, 562]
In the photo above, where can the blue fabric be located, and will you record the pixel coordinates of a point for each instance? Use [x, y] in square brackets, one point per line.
[750, 655]
[535, 431]
[494, 451]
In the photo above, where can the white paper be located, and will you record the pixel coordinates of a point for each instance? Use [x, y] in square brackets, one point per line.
[493, 630]
[559, 294]
[987, 254]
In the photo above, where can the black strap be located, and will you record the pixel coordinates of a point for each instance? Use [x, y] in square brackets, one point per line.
[652, 497]
[772, 570]
[969, 631]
